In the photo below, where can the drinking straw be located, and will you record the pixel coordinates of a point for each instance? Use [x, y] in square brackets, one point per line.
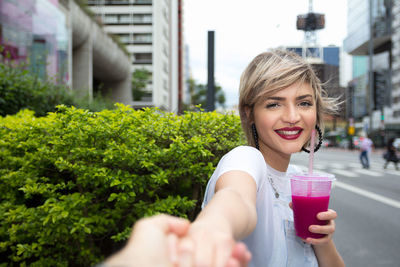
[311, 158]
[311, 162]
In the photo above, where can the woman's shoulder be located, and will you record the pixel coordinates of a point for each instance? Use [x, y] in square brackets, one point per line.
[243, 158]
[244, 152]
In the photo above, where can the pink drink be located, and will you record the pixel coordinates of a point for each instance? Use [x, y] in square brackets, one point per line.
[305, 211]
[310, 195]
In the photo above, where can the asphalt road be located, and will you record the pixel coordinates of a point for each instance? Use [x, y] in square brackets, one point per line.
[368, 205]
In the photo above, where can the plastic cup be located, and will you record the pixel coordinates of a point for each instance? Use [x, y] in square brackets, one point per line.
[310, 195]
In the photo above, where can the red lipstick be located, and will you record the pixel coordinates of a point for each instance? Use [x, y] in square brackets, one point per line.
[289, 133]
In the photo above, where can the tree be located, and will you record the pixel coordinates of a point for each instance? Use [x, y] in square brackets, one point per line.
[198, 95]
[140, 78]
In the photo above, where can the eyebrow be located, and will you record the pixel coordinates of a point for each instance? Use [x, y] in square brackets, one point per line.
[278, 98]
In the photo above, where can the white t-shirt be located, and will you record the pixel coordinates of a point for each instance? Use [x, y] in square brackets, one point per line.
[273, 242]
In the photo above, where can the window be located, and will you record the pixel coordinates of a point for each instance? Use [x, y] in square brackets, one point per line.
[142, 18]
[124, 38]
[140, 38]
[125, 19]
[111, 19]
[143, 58]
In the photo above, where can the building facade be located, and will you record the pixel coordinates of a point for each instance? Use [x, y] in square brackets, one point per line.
[326, 63]
[374, 42]
[58, 41]
[152, 33]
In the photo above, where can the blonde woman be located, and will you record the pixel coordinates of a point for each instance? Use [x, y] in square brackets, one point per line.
[248, 196]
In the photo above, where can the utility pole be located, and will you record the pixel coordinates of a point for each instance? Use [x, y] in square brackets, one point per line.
[370, 66]
[211, 82]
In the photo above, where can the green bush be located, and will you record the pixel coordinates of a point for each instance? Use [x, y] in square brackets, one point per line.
[19, 89]
[73, 182]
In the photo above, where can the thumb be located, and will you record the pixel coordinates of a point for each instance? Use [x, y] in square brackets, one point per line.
[166, 223]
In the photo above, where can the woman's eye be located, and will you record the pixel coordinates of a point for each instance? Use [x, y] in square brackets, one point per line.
[272, 105]
[306, 104]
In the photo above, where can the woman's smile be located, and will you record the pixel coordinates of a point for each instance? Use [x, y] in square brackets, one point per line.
[289, 133]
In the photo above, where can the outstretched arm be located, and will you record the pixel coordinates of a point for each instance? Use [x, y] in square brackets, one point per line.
[229, 216]
[150, 242]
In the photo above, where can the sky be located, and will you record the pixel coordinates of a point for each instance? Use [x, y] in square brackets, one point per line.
[243, 29]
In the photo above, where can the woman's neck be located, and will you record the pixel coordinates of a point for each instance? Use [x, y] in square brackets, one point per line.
[275, 159]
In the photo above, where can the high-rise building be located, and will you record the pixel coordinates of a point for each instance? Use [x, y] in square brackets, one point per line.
[373, 40]
[152, 33]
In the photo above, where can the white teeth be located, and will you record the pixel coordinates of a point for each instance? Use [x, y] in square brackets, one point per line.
[288, 132]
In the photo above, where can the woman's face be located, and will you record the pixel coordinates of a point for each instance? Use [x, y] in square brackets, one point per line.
[284, 120]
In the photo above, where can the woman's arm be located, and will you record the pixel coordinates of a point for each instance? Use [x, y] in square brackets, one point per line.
[324, 248]
[229, 216]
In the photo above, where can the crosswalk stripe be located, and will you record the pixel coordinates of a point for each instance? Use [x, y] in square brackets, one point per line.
[369, 172]
[345, 173]
[368, 194]
[319, 166]
[337, 165]
[354, 165]
[392, 172]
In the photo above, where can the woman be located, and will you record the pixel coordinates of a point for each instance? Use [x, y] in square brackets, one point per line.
[248, 196]
[390, 155]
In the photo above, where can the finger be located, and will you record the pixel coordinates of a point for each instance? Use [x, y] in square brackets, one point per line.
[327, 215]
[322, 229]
[185, 253]
[172, 243]
[291, 205]
[241, 253]
[318, 241]
[166, 224]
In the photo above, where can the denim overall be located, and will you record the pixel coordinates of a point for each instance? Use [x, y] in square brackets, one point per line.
[292, 252]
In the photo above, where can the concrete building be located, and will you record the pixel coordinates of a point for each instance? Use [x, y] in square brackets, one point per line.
[152, 33]
[326, 62]
[375, 86]
[59, 41]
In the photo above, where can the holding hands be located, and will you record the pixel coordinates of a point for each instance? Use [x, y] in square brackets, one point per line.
[164, 241]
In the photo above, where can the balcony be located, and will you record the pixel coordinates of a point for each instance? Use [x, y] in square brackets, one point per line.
[119, 2]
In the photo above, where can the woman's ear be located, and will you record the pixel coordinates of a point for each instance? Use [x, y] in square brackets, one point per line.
[247, 110]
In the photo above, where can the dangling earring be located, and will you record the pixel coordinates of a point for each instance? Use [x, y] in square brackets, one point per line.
[319, 142]
[255, 136]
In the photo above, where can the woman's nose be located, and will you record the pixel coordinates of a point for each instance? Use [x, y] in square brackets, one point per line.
[291, 115]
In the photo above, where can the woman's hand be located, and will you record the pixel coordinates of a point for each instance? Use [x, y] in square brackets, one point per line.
[328, 229]
[205, 246]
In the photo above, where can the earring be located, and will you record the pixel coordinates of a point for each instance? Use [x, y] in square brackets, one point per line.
[319, 142]
[255, 135]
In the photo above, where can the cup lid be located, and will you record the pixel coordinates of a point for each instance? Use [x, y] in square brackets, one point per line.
[312, 177]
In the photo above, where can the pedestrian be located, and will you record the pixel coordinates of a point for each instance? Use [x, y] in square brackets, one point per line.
[248, 196]
[391, 155]
[154, 240]
[365, 149]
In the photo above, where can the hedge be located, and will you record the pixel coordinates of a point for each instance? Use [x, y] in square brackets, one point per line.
[20, 89]
[73, 182]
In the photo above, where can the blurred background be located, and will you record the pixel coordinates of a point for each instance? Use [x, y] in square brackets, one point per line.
[176, 54]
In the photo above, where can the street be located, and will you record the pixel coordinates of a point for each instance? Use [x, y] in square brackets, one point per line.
[367, 203]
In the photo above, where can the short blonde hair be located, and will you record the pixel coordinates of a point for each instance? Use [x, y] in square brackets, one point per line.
[271, 72]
